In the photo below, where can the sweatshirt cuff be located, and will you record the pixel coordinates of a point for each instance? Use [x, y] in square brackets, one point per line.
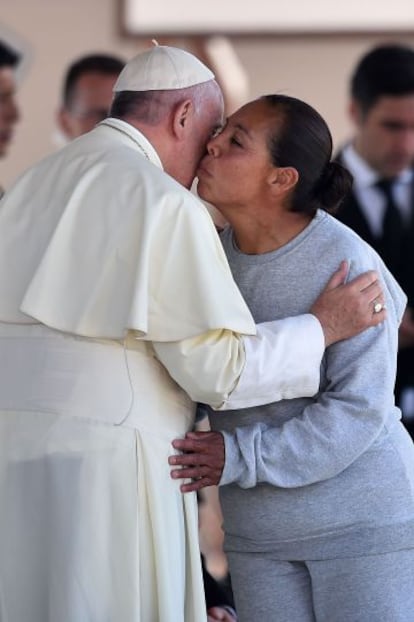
[233, 464]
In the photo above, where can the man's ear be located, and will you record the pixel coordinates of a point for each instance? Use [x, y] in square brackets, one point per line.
[182, 116]
[283, 179]
[355, 112]
[63, 122]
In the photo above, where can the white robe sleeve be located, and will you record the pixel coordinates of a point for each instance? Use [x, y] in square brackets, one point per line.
[282, 362]
[228, 371]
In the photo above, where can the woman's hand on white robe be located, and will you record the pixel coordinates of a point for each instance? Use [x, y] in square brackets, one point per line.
[202, 459]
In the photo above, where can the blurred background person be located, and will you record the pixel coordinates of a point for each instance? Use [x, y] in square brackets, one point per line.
[219, 600]
[380, 207]
[9, 111]
[87, 93]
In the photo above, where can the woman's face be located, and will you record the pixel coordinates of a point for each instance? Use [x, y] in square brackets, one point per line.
[237, 168]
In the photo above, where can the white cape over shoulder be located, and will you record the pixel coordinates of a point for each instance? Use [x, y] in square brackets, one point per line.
[118, 245]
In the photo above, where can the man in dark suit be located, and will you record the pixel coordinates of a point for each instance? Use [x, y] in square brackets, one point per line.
[380, 157]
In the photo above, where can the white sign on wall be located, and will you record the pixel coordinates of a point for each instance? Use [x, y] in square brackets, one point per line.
[174, 17]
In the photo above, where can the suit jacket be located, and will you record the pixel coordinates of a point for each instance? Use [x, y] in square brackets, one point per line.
[402, 267]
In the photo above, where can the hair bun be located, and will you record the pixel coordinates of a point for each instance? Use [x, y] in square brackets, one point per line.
[334, 184]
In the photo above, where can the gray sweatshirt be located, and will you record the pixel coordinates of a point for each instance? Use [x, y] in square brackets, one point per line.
[328, 476]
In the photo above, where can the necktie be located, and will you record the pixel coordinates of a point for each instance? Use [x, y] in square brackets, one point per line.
[393, 227]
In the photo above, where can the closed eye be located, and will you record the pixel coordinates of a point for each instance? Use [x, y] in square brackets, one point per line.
[235, 141]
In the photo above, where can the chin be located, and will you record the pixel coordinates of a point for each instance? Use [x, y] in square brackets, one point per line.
[396, 168]
[202, 191]
[218, 218]
[185, 181]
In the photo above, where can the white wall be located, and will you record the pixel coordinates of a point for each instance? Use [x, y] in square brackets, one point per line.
[268, 16]
[315, 68]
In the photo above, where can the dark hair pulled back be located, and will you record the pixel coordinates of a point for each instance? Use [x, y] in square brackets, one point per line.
[301, 139]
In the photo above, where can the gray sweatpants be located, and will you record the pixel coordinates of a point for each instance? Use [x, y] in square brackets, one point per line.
[378, 588]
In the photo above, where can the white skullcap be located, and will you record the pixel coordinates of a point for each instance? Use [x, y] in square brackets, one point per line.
[162, 68]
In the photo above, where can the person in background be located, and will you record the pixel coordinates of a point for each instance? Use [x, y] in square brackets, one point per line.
[87, 93]
[380, 206]
[316, 493]
[9, 111]
[219, 600]
[118, 312]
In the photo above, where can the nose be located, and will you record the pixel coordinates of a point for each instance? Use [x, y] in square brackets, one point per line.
[409, 144]
[10, 111]
[405, 142]
[213, 148]
[15, 112]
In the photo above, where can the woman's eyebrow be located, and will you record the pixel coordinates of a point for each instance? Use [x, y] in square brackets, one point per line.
[242, 128]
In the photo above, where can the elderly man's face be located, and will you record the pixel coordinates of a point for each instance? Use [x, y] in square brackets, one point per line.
[9, 112]
[209, 116]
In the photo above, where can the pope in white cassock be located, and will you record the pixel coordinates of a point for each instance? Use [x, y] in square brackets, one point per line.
[117, 312]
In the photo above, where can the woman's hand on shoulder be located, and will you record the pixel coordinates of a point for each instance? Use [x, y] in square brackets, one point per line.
[346, 309]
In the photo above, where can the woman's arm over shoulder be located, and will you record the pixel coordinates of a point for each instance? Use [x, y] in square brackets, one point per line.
[354, 404]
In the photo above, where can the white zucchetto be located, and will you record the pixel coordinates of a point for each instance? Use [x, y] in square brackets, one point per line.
[162, 68]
